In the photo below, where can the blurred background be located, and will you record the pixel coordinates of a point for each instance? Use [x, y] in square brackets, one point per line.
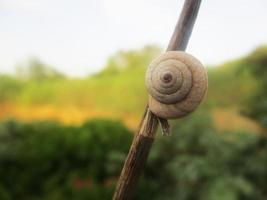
[72, 94]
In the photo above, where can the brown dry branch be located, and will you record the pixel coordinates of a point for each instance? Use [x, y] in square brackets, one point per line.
[143, 140]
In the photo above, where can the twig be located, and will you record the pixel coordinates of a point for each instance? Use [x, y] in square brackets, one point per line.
[143, 140]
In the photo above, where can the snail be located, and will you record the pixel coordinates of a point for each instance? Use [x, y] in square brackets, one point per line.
[177, 83]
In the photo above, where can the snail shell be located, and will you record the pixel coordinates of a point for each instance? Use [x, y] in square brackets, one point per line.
[177, 82]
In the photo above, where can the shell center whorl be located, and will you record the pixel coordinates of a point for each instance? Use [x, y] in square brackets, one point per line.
[167, 77]
[169, 80]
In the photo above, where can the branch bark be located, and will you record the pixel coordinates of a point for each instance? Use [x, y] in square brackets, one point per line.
[143, 140]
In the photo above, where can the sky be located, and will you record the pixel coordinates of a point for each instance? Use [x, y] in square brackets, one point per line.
[77, 37]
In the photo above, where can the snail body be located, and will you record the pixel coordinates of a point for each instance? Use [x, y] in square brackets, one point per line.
[177, 82]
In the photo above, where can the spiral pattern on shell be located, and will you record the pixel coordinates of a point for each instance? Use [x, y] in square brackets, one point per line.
[177, 83]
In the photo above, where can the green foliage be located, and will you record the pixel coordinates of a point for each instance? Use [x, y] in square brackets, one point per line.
[233, 80]
[200, 163]
[10, 87]
[123, 82]
[34, 83]
[257, 62]
[257, 104]
[34, 69]
[43, 85]
[130, 60]
[45, 160]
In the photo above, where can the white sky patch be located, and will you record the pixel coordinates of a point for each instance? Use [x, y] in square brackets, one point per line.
[23, 5]
[78, 36]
